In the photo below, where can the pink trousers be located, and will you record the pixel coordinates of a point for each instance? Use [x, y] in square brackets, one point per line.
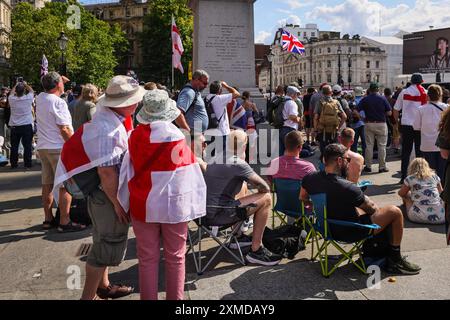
[148, 237]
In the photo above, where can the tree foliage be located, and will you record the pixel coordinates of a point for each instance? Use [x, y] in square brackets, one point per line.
[92, 52]
[156, 40]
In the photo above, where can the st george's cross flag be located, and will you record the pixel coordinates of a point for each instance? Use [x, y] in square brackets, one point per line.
[44, 66]
[160, 179]
[291, 43]
[94, 143]
[177, 47]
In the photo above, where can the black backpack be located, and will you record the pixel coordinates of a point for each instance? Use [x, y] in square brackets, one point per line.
[81, 185]
[285, 240]
[213, 121]
[78, 212]
[272, 108]
[278, 121]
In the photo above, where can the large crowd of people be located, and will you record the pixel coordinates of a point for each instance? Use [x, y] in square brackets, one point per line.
[187, 157]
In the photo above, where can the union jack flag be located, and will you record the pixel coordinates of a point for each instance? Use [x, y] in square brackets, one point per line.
[292, 44]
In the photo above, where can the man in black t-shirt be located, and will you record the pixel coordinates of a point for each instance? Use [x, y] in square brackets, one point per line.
[345, 201]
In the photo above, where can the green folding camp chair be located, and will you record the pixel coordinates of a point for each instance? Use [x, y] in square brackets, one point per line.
[321, 232]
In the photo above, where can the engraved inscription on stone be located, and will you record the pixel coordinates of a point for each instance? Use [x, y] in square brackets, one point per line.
[225, 45]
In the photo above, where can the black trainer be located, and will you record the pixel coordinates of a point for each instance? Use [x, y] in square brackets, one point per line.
[367, 169]
[263, 257]
[243, 240]
[383, 170]
[402, 266]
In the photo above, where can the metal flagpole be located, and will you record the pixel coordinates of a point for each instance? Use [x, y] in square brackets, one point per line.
[173, 72]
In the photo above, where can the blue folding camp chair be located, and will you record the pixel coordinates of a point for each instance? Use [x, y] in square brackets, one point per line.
[322, 231]
[288, 204]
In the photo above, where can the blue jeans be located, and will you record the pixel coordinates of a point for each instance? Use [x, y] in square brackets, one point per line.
[359, 133]
[283, 133]
[437, 163]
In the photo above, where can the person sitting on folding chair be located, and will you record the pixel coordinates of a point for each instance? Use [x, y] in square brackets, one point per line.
[224, 181]
[345, 201]
[289, 165]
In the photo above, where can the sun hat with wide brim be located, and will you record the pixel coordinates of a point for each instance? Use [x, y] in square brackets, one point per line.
[157, 106]
[122, 91]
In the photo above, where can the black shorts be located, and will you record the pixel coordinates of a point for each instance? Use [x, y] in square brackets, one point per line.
[308, 122]
[351, 234]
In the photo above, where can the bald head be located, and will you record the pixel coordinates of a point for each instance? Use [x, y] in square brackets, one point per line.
[327, 91]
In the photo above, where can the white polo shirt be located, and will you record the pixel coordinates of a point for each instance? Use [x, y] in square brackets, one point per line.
[21, 108]
[290, 109]
[51, 112]
[427, 122]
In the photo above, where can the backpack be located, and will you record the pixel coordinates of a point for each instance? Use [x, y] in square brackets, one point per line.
[78, 212]
[278, 119]
[213, 122]
[81, 185]
[329, 119]
[285, 240]
[272, 107]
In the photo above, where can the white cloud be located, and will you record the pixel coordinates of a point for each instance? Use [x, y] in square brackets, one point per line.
[263, 37]
[297, 4]
[365, 17]
[291, 19]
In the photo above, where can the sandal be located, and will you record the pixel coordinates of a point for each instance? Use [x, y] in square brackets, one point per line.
[70, 227]
[47, 225]
[114, 291]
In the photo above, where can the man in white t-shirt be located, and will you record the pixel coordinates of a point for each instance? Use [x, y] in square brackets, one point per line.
[219, 104]
[21, 123]
[290, 115]
[54, 125]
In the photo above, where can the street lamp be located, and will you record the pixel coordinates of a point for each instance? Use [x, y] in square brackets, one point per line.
[339, 51]
[349, 56]
[62, 43]
[270, 57]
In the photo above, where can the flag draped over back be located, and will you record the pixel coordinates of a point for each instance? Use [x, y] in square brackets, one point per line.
[292, 44]
[177, 47]
[160, 179]
[93, 144]
[44, 66]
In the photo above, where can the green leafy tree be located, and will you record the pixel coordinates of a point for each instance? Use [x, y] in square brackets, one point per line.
[156, 40]
[92, 53]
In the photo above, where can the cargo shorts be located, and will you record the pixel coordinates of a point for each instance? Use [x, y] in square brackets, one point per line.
[109, 236]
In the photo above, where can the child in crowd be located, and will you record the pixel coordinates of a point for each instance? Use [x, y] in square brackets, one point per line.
[420, 193]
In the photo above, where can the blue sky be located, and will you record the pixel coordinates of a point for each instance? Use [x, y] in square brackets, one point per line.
[364, 17]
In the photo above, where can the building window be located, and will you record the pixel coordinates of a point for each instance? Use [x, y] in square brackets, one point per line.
[329, 78]
[368, 64]
[377, 64]
[329, 64]
[145, 11]
[128, 12]
[299, 34]
[378, 78]
[320, 64]
[349, 49]
[111, 14]
[304, 34]
[313, 34]
[329, 50]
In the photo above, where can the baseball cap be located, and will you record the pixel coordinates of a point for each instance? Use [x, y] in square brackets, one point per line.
[374, 86]
[292, 90]
[417, 78]
[337, 88]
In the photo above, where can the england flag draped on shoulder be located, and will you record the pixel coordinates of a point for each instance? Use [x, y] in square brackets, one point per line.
[84, 150]
[291, 43]
[160, 179]
[177, 47]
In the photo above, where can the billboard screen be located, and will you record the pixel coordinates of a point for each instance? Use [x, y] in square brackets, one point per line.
[426, 52]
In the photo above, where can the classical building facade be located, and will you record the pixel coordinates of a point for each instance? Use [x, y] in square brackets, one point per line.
[129, 14]
[350, 61]
[5, 30]
[38, 4]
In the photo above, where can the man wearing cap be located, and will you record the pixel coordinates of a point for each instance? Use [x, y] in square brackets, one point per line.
[290, 115]
[376, 108]
[408, 102]
[21, 123]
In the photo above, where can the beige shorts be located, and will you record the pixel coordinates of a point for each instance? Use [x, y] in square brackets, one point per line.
[49, 161]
